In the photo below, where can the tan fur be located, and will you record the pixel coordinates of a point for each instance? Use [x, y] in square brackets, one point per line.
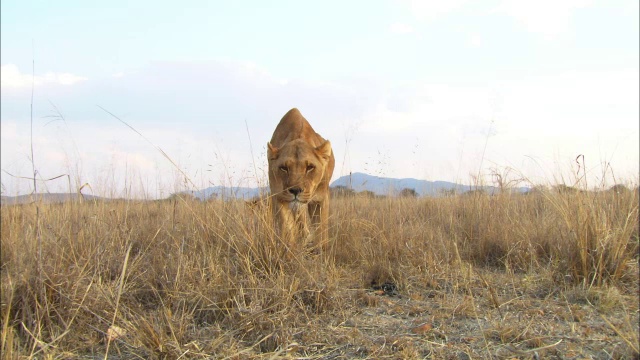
[301, 164]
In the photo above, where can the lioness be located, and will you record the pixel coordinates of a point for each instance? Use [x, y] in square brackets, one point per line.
[301, 164]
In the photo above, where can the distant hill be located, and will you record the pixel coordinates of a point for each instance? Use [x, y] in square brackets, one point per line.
[48, 198]
[224, 192]
[391, 186]
[219, 192]
[356, 181]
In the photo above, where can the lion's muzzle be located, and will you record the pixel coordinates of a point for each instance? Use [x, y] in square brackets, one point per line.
[296, 194]
[296, 190]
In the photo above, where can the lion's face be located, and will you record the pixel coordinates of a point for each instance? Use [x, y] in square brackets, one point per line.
[296, 169]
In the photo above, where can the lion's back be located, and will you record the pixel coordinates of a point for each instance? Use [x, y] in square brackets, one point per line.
[294, 126]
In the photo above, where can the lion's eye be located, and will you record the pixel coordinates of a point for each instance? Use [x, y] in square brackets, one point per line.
[310, 168]
[284, 168]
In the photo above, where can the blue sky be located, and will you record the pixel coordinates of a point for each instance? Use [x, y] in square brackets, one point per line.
[425, 89]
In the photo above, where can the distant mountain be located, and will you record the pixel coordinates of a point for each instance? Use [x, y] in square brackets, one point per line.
[390, 186]
[224, 192]
[356, 181]
[48, 198]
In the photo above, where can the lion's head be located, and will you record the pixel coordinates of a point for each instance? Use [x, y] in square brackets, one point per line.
[296, 169]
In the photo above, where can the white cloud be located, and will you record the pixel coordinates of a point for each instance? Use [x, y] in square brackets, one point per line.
[475, 40]
[400, 28]
[423, 128]
[381, 120]
[555, 118]
[8, 130]
[430, 10]
[577, 103]
[550, 119]
[63, 78]
[136, 160]
[546, 17]
[11, 77]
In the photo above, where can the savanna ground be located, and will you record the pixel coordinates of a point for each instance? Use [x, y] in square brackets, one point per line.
[546, 275]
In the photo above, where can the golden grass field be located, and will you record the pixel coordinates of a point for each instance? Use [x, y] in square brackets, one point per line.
[549, 275]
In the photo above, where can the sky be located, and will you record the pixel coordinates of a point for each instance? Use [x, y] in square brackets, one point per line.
[147, 98]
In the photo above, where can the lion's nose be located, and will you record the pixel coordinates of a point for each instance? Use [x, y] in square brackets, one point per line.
[295, 190]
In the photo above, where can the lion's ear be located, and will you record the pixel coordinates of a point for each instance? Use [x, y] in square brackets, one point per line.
[324, 150]
[272, 151]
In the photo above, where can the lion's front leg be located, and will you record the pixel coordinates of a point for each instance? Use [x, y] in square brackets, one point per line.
[285, 224]
[292, 223]
[319, 214]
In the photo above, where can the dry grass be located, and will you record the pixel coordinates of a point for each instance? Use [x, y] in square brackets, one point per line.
[476, 276]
